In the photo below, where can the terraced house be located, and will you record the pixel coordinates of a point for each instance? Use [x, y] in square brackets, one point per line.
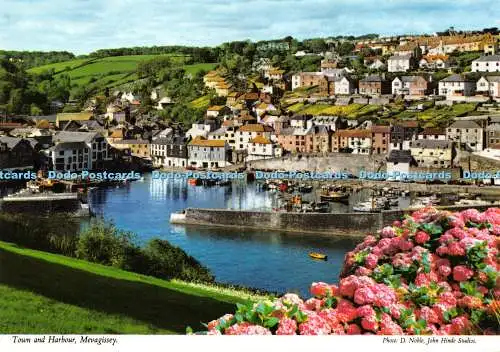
[374, 85]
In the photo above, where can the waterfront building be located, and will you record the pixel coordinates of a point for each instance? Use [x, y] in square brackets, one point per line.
[321, 139]
[399, 163]
[262, 148]
[428, 153]
[15, 153]
[357, 141]
[177, 151]
[402, 134]
[381, 137]
[208, 154]
[78, 151]
[296, 140]
[248, 132]
[467, 134]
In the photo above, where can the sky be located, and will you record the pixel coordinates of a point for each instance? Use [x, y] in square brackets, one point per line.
[82, 26]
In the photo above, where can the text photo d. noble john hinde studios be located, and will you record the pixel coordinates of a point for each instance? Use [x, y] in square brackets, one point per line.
[172, 172]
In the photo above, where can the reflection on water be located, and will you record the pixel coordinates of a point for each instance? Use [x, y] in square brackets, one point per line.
[260, 259]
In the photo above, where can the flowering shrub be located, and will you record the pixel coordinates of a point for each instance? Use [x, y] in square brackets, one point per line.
[435, 272]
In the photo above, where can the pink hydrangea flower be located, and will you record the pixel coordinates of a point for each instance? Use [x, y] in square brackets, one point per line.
[320, 289]
[287, 326]
[421, 237]
[462, 273]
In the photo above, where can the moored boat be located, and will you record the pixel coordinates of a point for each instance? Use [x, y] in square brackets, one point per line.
[334, 197]
[320, 256]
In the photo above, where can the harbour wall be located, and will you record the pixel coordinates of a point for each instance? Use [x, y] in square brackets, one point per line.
[353, 163]
[338, 224]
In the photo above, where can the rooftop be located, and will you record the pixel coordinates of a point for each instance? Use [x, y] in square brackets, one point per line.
[203, 142]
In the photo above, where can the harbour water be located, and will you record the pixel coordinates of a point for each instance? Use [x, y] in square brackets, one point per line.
[264, 260]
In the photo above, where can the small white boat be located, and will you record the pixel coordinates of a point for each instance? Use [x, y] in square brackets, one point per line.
[367, 207]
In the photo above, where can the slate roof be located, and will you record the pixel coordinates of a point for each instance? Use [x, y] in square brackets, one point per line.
[464, 124]
[400, 156]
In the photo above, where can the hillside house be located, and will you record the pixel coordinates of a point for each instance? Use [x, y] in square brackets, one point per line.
[457, 85]
[489, 63]
[374, 85]
[410, 85]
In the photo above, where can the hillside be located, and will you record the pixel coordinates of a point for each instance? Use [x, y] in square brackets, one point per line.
[44, 293]
[110, 71]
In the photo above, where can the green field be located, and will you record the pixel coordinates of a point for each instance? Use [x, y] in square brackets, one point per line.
[110, 71]
[43, 293]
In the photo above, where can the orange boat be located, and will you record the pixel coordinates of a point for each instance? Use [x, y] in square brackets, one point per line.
[194, 181]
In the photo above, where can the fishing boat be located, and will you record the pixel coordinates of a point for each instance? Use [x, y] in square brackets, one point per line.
[320, 256]
[321, 207]
[335, 197]
[305, 189]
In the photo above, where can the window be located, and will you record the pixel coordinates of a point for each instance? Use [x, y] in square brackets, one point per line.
[61, 153]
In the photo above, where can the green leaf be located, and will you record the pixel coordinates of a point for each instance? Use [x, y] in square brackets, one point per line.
[189, 330]
[271, 322]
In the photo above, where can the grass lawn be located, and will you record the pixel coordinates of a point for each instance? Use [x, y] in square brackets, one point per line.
[47, 293]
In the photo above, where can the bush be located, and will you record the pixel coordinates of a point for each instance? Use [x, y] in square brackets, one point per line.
[57, 234]
[167, 262]
[103, 243]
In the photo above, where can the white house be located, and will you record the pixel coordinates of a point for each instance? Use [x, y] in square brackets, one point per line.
[248, 132]
[457, 85]
[345, 86]
[198, 130]
[398, 164]
[129, 97]
[400, 63]
[214, 111]
[262, 148]
[377, 65]
[489, 63]
[489, 85]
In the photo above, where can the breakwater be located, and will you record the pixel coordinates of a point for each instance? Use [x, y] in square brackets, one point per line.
[341, 225]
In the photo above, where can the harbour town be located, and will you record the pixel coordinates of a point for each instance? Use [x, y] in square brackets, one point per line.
[190, 179]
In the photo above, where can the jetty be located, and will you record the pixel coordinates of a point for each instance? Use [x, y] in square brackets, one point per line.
[45, 204]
